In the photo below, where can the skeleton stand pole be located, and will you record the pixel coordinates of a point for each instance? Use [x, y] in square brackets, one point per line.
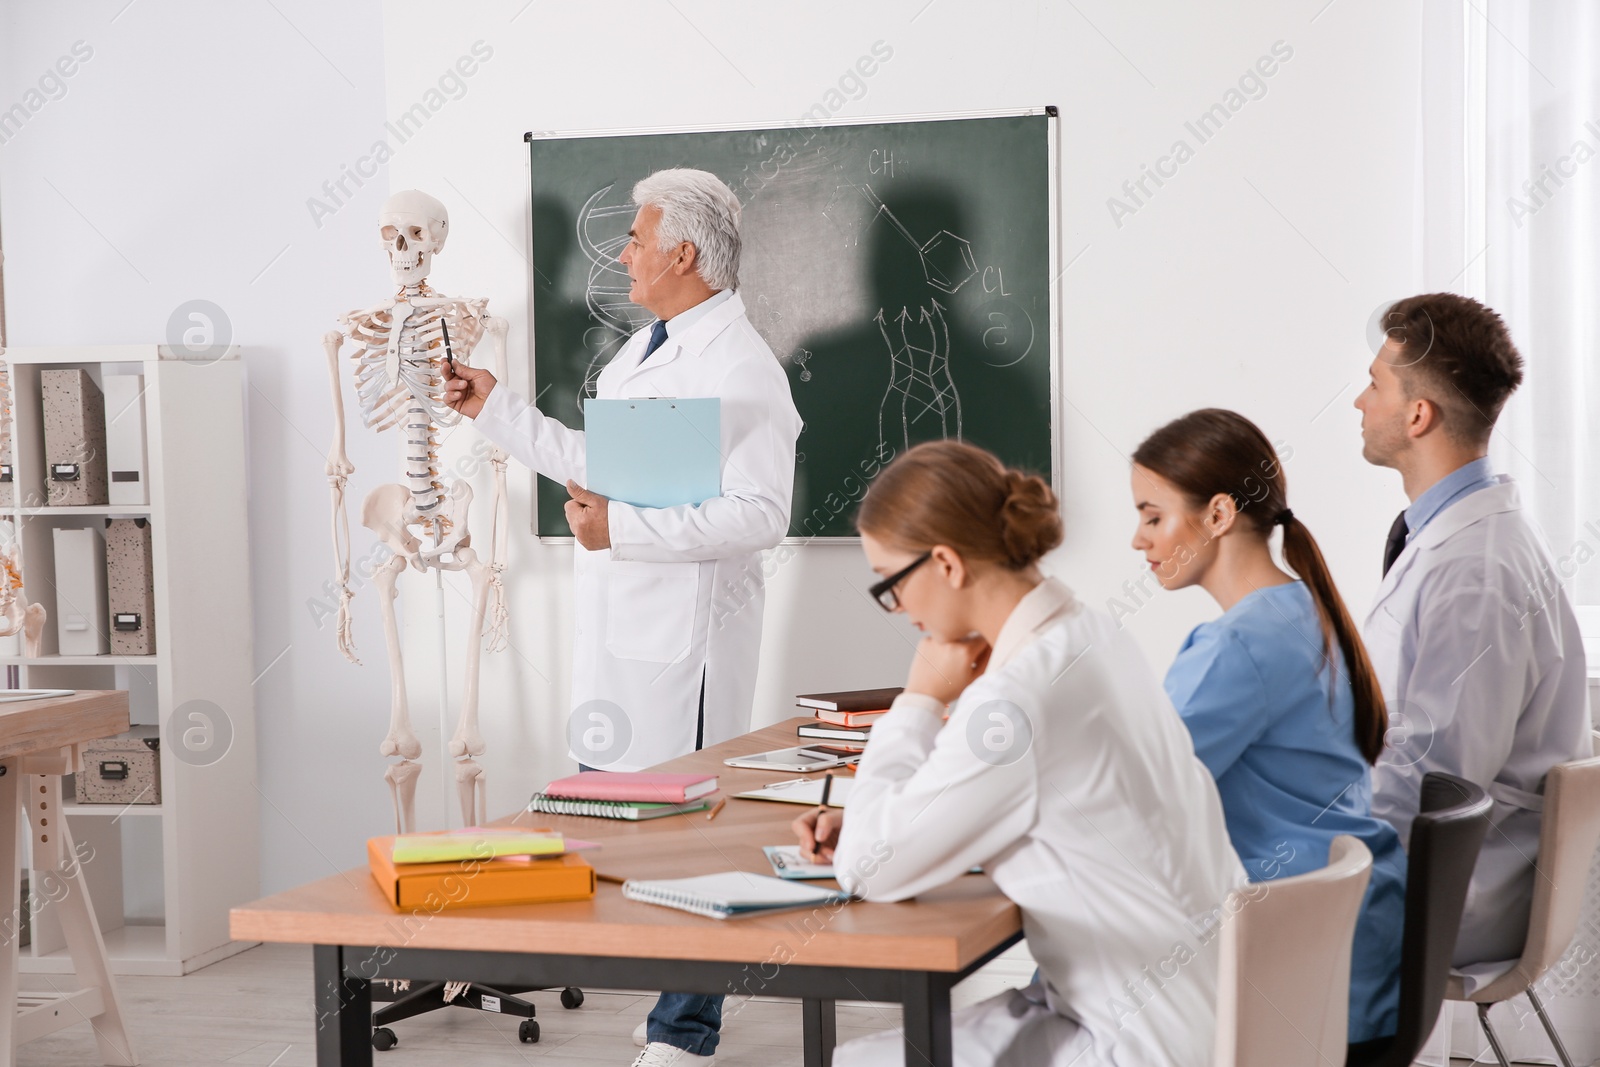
[446, 762]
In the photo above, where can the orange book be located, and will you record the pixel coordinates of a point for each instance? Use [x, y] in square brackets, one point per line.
[477, 883]
[851, 718]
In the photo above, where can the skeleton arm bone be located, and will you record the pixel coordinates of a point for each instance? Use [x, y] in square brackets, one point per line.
[339, 468]
[496, 621]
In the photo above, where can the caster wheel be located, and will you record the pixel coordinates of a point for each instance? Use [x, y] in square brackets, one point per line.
[572, 997]
[528, 1032]
[383, 1039]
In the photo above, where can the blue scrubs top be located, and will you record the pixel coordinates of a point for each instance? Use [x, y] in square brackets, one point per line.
[1252, 687]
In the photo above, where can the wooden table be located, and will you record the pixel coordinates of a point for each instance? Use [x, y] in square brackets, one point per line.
[911, 953]
[40, 741]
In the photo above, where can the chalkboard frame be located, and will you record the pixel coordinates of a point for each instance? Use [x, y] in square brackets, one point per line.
[1053, 241]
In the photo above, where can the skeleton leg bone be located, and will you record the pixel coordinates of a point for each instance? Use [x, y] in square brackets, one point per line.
[468, 741]
[471, 785]
[402, 778]
[400, 741]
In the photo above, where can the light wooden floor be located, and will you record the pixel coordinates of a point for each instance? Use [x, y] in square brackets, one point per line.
[255, 1009]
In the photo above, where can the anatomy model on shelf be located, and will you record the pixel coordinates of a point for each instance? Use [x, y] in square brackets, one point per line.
[15, 613]
[401, 347]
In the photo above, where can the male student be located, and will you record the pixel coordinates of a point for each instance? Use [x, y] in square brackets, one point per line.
[647, 639]
[1474, 640]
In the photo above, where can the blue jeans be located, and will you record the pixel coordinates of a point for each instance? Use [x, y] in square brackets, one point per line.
[690, 1021]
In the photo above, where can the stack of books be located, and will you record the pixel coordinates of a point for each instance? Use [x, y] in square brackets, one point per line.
[843, 721]
[631, 795]
[478, 866]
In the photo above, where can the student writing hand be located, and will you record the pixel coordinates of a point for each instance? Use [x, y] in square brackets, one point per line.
[943, 669]
[818, 831]
[466, 388]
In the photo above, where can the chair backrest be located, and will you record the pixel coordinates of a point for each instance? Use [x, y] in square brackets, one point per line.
[1568, 834]
[1452, 819]
[1283, 995]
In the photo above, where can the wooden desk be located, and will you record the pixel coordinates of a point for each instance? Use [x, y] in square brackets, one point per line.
[40, 741]
[911, 953]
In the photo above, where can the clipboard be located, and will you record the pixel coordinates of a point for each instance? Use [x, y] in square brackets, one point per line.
[654, 452]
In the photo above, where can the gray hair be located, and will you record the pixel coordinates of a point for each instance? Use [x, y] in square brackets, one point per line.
[696, 207]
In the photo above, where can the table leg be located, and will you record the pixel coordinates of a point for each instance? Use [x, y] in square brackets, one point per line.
[926, 1002]
[10, 909]
[344, 1011]
[820, 1035]
[79, 926]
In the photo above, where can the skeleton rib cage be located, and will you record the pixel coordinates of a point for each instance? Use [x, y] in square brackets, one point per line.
[399, 381]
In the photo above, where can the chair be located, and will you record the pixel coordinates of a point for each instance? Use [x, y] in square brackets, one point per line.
[1283, 991]
[1452, 819]
[1568, 834]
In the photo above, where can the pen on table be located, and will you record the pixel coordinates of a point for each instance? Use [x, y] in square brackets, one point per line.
[712, 814]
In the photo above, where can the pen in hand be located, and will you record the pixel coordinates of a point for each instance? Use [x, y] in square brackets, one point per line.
[827, 785]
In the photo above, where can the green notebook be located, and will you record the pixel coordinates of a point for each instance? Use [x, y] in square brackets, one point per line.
[631, 810]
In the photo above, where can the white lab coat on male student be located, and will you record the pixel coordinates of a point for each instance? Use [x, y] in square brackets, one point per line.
[1481, 662]
[1066, 773]
[678, 596]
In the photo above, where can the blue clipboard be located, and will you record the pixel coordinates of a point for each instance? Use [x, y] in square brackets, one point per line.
[654, 452]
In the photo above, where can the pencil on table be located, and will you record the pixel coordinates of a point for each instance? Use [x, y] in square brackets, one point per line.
[712, 814]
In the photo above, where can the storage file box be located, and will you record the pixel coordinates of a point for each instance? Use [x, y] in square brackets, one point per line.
[125, 769]
[126, 455]
[130, 587]
[80, 613]
[74, 439]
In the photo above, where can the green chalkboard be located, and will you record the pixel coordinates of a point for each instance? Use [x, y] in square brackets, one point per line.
[900, 271]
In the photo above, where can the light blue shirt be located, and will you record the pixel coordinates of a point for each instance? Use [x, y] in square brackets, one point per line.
[685, 319]
[1446, 491]
[1252, 686]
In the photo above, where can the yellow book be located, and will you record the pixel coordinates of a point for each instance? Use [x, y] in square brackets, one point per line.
[473, 883]
[476, 844]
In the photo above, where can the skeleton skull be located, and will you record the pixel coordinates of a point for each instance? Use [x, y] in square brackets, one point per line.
[413, 226]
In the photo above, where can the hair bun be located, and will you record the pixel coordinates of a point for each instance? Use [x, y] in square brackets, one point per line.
[1030, 518]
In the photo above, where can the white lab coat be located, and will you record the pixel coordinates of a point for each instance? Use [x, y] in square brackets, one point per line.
[1481, 662]
[679, 593]
[1065, 771]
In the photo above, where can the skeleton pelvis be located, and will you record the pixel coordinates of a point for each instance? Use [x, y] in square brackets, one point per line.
[390, 512]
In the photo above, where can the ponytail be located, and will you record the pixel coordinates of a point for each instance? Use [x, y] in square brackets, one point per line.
[1214, 451]
[1301, 553]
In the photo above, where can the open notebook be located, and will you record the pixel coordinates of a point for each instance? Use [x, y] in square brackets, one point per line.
[730, 894]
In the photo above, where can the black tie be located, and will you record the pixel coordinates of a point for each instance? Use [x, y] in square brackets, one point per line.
[658, 337]
[1396, 543]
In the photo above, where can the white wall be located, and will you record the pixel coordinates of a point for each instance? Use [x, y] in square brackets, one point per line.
[192, 140]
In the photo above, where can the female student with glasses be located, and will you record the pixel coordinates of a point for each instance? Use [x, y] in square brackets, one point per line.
[1278, 691]
[1062, 769]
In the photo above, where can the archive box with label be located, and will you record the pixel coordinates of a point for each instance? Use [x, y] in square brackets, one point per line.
[74, 439]
[125, 769]
[126, 454]
[80, 613]
[130, 587]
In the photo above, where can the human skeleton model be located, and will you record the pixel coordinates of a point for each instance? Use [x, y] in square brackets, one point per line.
[401, 347]
[15, 614]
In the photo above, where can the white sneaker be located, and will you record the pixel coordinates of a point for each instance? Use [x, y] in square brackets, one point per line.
[641, 1036]
[661, 1054]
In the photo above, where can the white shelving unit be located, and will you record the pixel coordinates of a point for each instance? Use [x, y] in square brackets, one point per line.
[163, 876]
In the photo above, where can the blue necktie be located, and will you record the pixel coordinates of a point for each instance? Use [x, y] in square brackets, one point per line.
[658, 337]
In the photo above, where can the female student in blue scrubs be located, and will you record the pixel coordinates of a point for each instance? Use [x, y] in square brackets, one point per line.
[1278, 692]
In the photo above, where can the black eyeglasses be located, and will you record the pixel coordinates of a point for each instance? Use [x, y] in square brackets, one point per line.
[884, 592]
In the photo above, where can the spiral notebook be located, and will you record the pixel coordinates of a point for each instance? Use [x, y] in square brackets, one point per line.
[730, 894]
[611, 809]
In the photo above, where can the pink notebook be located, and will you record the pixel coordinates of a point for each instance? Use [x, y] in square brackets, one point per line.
[640, 787]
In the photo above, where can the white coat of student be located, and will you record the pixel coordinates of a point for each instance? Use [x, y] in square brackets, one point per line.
[646, 578]
[1472, 635]
[1063, 770]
